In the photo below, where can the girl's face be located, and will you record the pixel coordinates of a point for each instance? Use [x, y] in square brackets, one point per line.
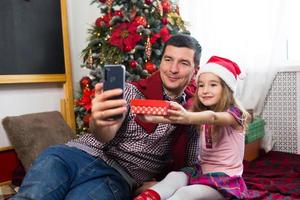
[209, 89]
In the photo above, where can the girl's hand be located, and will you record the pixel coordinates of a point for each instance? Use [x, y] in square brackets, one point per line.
[178, 114]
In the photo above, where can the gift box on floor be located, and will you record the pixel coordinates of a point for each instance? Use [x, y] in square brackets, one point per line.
[149, 107]
[255, 130]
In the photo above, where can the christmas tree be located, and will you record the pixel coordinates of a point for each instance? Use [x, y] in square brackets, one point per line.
[128, 32]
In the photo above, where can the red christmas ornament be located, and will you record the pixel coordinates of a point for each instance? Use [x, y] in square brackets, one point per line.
[148, 2]
[128, 48]
[103, 21]
[85, 82]
[118, 13]
[164, 21]
[102, 1]
[166, 5]
[150, 67]
[133, 64]
[86, 119]
[164, 34]
[154, 38]
[140, 20]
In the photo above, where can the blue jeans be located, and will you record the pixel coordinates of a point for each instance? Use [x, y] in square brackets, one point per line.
[63, 172]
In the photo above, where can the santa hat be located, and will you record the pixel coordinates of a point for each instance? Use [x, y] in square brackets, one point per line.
[224, 68]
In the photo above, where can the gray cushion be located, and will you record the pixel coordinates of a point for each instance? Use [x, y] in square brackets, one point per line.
[32, 133]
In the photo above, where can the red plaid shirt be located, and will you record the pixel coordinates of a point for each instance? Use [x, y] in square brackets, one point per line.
[140, 154]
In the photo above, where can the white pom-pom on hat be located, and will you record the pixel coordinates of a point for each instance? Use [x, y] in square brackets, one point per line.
[242, 75]
[224, 68]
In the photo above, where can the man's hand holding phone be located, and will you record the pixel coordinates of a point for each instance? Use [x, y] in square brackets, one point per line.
[104, 108]
[114, 78]
[108, 105]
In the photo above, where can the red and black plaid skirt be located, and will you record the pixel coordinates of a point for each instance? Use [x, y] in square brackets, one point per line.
[231, 187]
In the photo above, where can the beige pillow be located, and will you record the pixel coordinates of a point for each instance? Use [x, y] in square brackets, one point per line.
[32, 133]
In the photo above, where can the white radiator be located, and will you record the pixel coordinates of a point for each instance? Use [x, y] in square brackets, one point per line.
[282, 112]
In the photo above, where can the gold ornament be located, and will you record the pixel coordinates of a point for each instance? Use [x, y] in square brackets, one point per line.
[175, 20]
[148, 48]
[90, 61]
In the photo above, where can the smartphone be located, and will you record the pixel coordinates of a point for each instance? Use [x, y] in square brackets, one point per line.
[114, 77]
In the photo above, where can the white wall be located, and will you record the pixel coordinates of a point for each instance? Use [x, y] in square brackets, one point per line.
[20, 99]
[81, 15]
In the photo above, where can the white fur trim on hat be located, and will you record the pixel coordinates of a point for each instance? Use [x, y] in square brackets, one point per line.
[220, 71]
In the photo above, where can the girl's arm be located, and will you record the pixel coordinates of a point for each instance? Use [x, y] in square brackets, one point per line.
[210, 117]
[177, 114]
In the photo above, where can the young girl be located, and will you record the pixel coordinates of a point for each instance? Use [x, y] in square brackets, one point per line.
[222, 122]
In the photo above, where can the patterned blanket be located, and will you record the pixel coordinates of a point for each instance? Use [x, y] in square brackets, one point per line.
[275, 175]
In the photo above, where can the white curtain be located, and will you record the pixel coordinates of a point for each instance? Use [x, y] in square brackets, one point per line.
[249, 32]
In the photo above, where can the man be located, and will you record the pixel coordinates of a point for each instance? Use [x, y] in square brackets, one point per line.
[122, 155]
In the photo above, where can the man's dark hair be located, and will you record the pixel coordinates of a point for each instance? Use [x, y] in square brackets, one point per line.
[184, 40]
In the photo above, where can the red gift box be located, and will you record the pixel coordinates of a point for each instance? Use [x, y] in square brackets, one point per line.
[149, 107]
